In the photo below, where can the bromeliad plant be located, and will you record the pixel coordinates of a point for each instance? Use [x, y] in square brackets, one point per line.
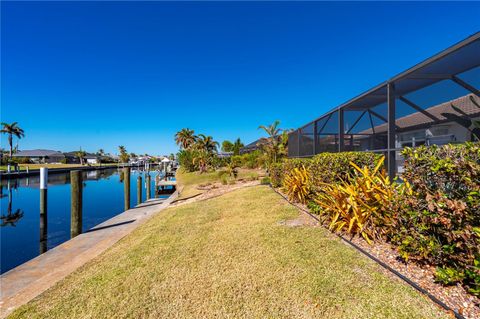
[359, 204]
[297, 184]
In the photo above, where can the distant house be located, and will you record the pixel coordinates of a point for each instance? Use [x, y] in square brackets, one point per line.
[89, 158]
[41, 156]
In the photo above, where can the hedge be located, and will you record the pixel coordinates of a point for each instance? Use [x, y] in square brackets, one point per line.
[324, 167]
[440, 223]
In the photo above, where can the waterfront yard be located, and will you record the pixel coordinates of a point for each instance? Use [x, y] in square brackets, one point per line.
[230, 256]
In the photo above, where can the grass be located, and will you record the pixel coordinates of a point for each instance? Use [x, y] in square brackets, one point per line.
[229, 257]
[188, 182]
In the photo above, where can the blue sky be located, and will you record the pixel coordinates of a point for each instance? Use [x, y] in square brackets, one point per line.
[98, 75]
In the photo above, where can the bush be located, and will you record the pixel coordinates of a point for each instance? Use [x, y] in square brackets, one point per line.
[439, 223]
[297, 184]
[360, 204]
[275, 173]
[249, 160]
[224, 179]
[20, 160]
[335, 167]
[324, 168]
[265, 180]
[252, 176]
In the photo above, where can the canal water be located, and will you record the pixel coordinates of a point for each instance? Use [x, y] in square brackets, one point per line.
[103, 198]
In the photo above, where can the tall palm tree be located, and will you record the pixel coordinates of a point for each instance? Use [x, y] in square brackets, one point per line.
[100, 152]
[185, 138]
[273, 142]
[12, 130]
[207, 143]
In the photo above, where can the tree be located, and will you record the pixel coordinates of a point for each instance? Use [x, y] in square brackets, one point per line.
[227, 146]
[237, 146]
[80, 154]
[101, 152]
[185, 138]
[272, 144]
[124, 157]
[171, 157]
[12, 130]
[207, 143]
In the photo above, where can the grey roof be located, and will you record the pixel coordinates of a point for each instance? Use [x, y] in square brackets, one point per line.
[468, 105]
[74, 154]
[38, 153]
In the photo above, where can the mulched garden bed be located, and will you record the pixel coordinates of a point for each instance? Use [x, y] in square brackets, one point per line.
[456, 297]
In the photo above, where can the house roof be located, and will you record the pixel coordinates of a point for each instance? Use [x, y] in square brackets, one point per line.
[38, 153]
[74, 154]
[462, 107]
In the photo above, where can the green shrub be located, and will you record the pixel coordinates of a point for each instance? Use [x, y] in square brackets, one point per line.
[249, 160]
[440, 223]
[224, 179]
[252, 176]
[265, 180]
[335, 167]
[324, 168]
[20, 160]
[275, 173]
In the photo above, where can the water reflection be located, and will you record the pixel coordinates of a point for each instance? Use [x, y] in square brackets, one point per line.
[10, 219]
[26, 232]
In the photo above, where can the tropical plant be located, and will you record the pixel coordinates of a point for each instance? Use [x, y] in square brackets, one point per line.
[206, 143]
[271, 145]
[296, 184]
[360, 204]
[232, 169]
[227, 146]
[124, 157]
[81, 155]
[202, 159]
[101, 152]
[237, 146]
[185, 138]
[12, 130]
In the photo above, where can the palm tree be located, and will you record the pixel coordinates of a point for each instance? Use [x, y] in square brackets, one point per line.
[272, 143]
[100, 152]
[80, 154]
[185, 138]
[11, 130]
[207, 143]
[123, 154]
[237, 146]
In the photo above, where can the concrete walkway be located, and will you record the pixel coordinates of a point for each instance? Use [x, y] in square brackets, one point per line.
[25, 282]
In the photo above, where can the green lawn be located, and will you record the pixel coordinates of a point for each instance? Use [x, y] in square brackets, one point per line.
[229, 257]
[188, 182]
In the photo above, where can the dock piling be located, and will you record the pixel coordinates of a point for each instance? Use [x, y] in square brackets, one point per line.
[139, 190]
[43, 209]
[148, 181]
[76, 203]
[126, 187]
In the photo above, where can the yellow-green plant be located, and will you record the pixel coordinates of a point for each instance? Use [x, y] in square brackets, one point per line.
[360, 204]
[296, 184]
